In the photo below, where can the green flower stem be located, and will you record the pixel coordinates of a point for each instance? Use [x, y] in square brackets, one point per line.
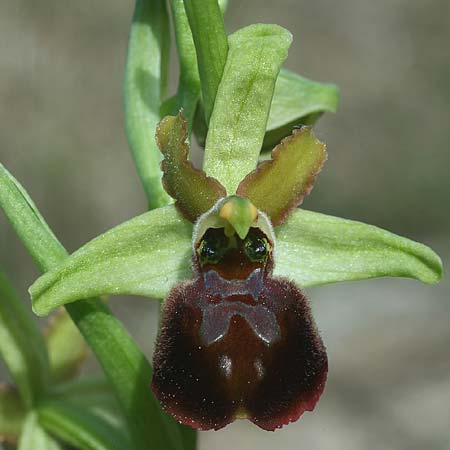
[241, 110]
[144, 86]
[208, 30]
[190, 437]
[188, 93]
[124, 364]
[22, 346]
[80, 428]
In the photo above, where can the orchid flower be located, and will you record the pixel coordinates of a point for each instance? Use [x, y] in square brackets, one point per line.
[230, 258]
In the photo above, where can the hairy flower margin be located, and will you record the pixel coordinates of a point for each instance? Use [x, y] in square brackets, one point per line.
[160, 254]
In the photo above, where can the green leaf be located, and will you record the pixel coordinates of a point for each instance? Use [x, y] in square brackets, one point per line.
[239, 119]
[78, 427]
[143, 92]
[21, 345]
[145, 256]
[12, 414]
[27, 222]
[194, 192]
[66, 347]
[314, 249]
[297, 160]
[189, 437]
[208, 30]
[129, 373]
[297, 100]
[34, 437]
[188, 93]
[123, 363]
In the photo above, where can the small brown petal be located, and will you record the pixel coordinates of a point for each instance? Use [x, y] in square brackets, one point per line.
[194, 192]
[279, 185]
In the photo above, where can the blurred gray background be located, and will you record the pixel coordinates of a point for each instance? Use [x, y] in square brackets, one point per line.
[61, 135]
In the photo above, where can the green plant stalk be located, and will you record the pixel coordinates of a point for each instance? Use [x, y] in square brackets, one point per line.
[144, 88]
[211, 44]
[22, 346]
[188, 93]
[123, 363]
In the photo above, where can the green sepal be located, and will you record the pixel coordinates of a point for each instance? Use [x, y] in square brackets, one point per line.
[297, 100]
[208, 30]
[278, 186]
[315, 249]
[144, 85]
[194, 192]
[145, 256]
[80, 428]
[21, 345]
[242, 105]
[12, 414]
[34, 437]
[67, 349]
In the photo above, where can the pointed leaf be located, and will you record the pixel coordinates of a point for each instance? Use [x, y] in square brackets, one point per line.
[34, 437]
[208, 30]
[314, 249]
[123, 362]
[241, 109]
[28, 223]
[12, 414]
[21, 345]
[193, 191]
[67, 349]
[80, 428]
[145, 75]
[145, 256]
[297, 100]
[296, 161]
[188, 93]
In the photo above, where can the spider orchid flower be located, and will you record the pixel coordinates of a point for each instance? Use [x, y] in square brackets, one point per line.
[231, 257]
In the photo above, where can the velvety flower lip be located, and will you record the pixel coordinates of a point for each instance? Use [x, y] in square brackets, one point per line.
[245, 347]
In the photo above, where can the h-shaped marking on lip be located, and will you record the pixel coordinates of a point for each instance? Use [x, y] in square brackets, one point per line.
[218, 286]
[216, 317]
